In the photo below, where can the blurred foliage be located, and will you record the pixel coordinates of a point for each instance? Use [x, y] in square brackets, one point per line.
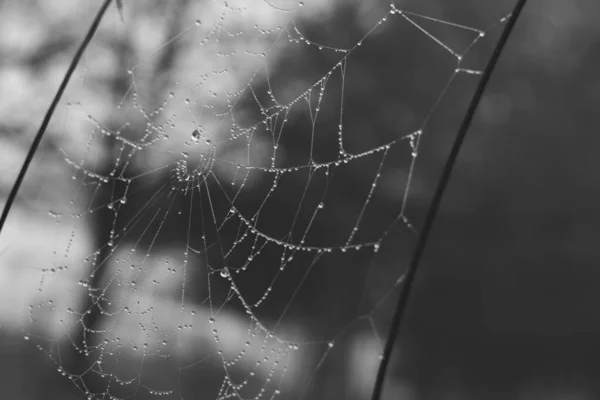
[506, 296]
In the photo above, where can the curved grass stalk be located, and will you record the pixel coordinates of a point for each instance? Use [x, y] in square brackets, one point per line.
[409, 276]
[42, 130]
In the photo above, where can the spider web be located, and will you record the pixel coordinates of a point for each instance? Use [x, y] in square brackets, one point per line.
[219, 216]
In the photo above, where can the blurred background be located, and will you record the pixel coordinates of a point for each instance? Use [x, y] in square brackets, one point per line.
[189, 227]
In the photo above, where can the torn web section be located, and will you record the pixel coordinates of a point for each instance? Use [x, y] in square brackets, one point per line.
[242, 206]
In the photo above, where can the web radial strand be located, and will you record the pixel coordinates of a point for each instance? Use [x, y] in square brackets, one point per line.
[230, 218]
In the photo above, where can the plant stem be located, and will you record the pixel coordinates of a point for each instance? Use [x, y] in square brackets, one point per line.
[435, 202]
[38, 137]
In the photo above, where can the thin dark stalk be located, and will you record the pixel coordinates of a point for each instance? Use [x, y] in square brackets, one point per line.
[435, 203]
[38, 137]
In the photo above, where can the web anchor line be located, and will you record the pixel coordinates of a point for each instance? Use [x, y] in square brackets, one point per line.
[410, 274]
